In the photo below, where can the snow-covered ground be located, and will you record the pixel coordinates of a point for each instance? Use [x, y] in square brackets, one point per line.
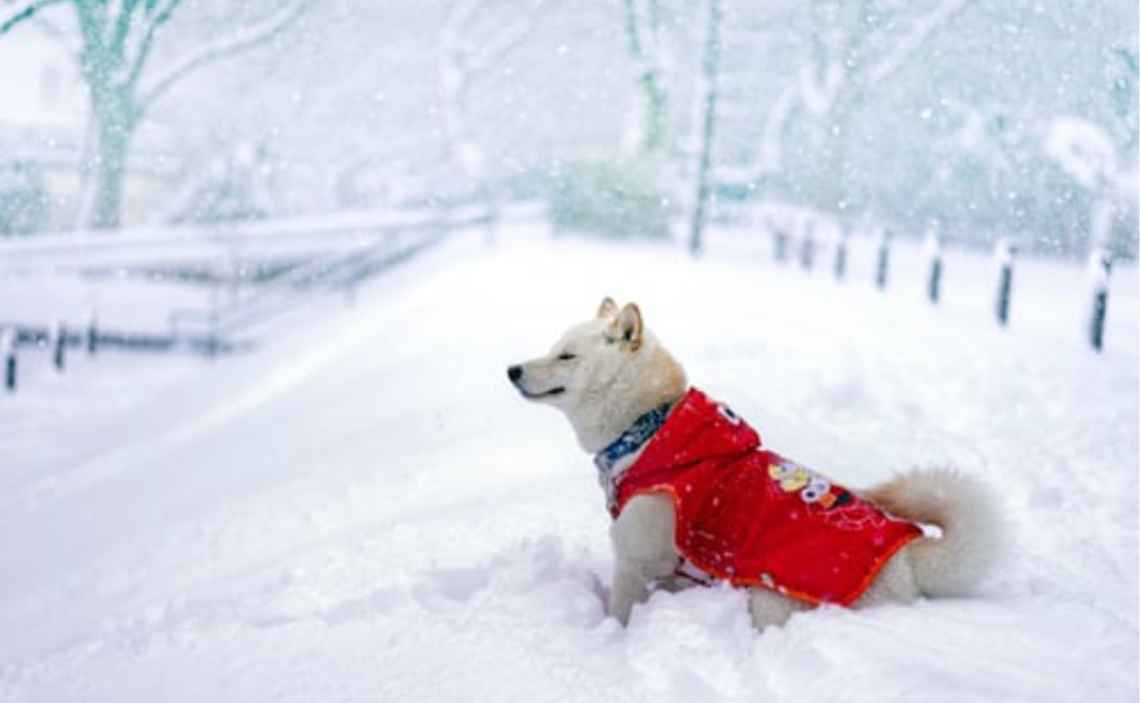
[365, 510]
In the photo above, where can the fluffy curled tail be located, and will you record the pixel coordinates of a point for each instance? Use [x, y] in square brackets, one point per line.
[970, 520]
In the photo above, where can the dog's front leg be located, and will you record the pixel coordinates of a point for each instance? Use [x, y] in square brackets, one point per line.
[643, 551]
[629, 587]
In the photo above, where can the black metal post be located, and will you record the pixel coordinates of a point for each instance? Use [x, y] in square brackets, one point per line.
[1096, 326]
[8, 339]
[934, 286]
[1005, 252]
[60, 346]
[1100, 264]
[934, 253]
[92, 335]
[780, 241]
[883, 263]
[807, 250]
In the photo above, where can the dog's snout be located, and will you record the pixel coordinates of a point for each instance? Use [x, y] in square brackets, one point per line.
[514, 373]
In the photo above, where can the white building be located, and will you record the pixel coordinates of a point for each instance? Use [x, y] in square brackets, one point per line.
[40, 86]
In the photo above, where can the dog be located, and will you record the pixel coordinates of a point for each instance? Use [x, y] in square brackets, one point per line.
[697, 498]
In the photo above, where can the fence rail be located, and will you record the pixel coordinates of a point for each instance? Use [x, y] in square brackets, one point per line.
[155, 246]
[331, 254]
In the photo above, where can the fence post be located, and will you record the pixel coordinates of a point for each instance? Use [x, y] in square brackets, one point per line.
[883, 261]
[1003, 254]
[841, 253]
[934, 252]
[1100, 266]
[92, 334]
[807, 246]
[60, 345]
[780, 244]
[212, 342]
[8, 339]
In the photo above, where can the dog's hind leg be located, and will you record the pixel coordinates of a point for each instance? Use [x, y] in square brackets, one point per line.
[643, 551]
[770, 608]
[895, 583]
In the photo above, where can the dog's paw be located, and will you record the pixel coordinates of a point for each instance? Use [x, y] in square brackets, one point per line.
[600, 590]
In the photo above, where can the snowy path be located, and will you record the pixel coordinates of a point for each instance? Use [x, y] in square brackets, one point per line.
[366, 511]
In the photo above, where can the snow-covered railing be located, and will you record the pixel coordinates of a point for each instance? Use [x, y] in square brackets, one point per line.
[343, 271]
[335, 253]
[152, 246]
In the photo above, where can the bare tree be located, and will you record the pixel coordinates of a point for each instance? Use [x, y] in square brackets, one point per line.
[710, 65]
[466, 54]
[841, 75]
[644, 41]
[116, 40]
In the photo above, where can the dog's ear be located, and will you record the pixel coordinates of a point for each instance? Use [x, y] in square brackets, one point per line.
[629, 326]
[608, 308]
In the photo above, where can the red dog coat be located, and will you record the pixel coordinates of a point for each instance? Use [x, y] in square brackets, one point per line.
[751, 517]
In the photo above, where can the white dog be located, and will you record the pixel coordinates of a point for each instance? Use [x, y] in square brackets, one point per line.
[696, 497]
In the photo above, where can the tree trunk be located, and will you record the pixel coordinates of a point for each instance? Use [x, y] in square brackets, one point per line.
[461, 143]
[832, 191]
[655, 107]
[709, 77]
[110, 172]
[114, 128]
[642, 35]
[841, 38]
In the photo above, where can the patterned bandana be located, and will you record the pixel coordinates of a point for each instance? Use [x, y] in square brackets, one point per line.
[642, 429]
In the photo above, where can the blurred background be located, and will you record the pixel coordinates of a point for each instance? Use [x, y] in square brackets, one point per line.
[978, 118]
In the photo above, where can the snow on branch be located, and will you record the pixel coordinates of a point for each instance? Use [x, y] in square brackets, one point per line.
[772, 143]
[1082, 149]
[924, 27]
[511, 36]
[820, 92]
[459, 17]
[472, 60]
[26, 13]
[242, 40]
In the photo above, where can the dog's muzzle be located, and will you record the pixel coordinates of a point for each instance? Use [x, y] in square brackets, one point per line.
[514, 373]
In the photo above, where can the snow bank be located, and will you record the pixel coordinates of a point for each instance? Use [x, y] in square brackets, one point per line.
[366, 510]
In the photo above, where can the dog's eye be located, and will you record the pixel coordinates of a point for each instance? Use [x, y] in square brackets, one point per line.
[566, 357]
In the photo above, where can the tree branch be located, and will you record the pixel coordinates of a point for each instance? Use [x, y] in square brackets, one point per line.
[148, 39]
[122, 26]
[26, 13]
[631, 30]
[772, 145]
[242, 40]
[507, 39]
[459, 17]
[893, 61]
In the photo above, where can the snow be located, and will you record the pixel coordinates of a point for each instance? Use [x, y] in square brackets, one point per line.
[1082, 149]
[364, 509]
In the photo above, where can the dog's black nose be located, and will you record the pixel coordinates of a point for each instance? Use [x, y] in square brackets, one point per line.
[514, 373]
